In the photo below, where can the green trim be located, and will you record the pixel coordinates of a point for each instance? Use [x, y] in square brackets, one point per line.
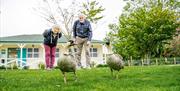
[7, 42]
[34, 38]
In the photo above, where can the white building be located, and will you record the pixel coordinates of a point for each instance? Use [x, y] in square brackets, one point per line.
[28, 50]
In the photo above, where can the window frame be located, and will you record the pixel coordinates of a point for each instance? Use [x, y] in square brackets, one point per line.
[32, 53]
[57, 53]
[93, 52]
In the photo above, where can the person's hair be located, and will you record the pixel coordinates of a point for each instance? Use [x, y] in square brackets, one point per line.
[56, 27]
[81, 14]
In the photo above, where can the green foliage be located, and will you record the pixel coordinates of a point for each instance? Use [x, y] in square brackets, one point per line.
[93, 11]
[143, 28]
[13, 66]
[41, 66]
[101, 65]
[26, 67]
[92, 63]
[150, 78]
[2, 67]
[173, 49]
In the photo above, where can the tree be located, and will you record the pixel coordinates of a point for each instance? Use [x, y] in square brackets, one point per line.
[93, 11]
[144, 27]
[54, 12]
[173, 48]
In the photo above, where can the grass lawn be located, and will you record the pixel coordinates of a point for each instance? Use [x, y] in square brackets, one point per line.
[149, 78]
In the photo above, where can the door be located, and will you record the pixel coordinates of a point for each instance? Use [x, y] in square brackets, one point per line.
[23, 55]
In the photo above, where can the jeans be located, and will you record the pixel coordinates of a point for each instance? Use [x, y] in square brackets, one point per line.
[49, 56]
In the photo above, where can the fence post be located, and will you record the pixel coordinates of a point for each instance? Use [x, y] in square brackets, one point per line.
[166, 60]
[131, 61]
[174, 60]
[5, 64]
[156, 61]
[142, 62]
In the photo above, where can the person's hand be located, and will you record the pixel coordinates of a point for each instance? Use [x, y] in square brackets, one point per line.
[88, 43]
[74, 41]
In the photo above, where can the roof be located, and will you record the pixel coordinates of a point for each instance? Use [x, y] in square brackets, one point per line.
[33, 38]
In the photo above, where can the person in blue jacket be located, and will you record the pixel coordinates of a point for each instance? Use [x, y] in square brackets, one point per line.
[82, 33]
[51, 37]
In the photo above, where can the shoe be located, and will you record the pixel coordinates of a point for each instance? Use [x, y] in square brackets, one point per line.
[48, 69]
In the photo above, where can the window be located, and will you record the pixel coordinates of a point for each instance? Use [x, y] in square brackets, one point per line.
[93, 52]
[57, 52]
[3, 51]
[36, 53]
[104, 56]
[33, 53]
[29, 53]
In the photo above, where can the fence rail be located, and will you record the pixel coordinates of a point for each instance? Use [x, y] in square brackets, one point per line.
[19, 63]
[153, 61]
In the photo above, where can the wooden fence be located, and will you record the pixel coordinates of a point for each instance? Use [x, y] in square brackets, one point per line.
[153, 61]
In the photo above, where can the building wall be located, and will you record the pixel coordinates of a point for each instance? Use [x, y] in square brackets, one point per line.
[99, 59]
[33, 62]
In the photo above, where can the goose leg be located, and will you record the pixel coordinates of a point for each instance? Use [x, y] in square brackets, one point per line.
[75, 76]
[64, 77]
[112, 72]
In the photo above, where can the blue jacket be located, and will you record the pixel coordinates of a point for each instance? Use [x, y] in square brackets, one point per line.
[49, 39]
[82, 30]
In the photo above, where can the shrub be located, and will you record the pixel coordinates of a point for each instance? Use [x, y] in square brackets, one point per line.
[102, 65]
[41, 66]
[26, 67]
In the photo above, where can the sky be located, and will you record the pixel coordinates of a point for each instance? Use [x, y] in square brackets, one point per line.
[17, 17]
